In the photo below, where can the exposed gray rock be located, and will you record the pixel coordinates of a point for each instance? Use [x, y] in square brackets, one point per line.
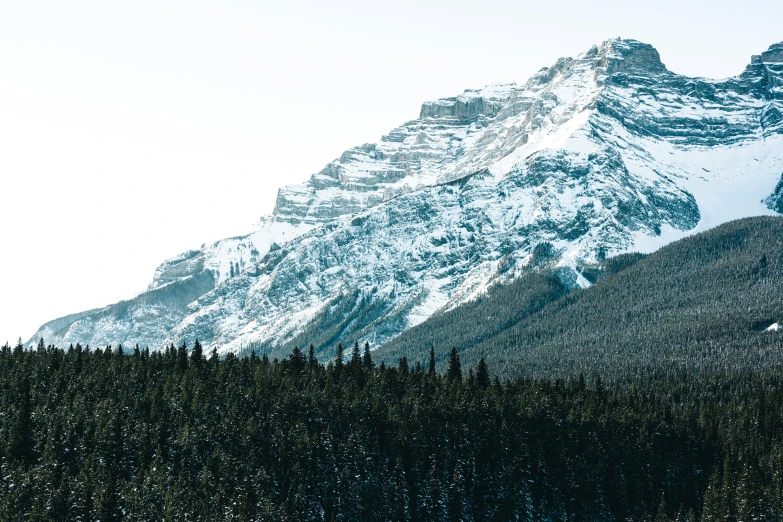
[599, 154]
[775, 200]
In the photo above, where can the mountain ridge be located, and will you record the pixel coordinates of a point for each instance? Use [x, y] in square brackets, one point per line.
[598, 154]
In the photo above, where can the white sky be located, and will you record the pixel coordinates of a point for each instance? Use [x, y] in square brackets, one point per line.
[131, 131]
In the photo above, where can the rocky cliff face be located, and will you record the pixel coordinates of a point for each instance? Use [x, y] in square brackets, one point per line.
[604, 153]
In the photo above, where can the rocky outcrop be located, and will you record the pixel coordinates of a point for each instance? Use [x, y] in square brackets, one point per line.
[775, 200]
[599, 154]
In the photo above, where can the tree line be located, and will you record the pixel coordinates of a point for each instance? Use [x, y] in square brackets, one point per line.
[113, 434]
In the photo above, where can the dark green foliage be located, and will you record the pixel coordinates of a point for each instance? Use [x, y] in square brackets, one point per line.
[697, 305]
[683, 424]
[297, 361]
[615, 265]
[473, 323]
[482, 374]
[90, 436]
[454, 373]
[197, 354]
[356, 358]
[20, 438]
[367, 358]
[338, 358]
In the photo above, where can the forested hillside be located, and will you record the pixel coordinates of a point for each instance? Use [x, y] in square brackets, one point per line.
[654, 394]
[96, 435]
[701, 304]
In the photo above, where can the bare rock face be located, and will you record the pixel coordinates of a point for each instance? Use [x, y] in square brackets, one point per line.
[775, 200]
[600, 154]
[772, 55]
[631, 57]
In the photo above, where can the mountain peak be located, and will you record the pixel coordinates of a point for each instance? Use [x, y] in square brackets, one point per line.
[593, 155]
[630, 56]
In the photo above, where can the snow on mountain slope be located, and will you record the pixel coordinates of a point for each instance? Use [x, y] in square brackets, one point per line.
[441, 143]
[604, 153]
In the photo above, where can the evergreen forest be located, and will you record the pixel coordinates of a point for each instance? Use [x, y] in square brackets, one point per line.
[654, 395]
[111, 435]
[699, 305]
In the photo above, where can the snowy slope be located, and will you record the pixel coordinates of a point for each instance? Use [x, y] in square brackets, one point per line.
[601, 154]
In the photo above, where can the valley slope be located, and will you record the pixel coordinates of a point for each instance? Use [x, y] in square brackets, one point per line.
[706, 303]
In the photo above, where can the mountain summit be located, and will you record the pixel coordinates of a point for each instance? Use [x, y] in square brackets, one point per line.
[604, 153]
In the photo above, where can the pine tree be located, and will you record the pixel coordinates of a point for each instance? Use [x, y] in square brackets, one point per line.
[109, 495]
[454, 372]
[726, 505]
[661, 514]
[431, 502]
[312, 362]
[197, 355]
[456, 496]
[182, 358]
[710, 504]
[482, 374]
[338, 359]
[432, 361]
[400, 508]
[298, 361]
[356, 359]
[367, 358]
[20, 440]
[747, 494]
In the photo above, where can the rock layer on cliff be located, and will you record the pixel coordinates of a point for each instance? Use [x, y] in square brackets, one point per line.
[604, 153]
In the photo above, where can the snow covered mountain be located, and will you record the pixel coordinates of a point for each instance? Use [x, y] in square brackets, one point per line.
[601, 154]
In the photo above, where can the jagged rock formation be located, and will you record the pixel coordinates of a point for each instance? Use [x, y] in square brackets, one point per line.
[604, 153]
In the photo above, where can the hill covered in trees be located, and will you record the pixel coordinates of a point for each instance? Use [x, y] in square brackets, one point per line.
[655, 394]
[701, 304]
[97, 435]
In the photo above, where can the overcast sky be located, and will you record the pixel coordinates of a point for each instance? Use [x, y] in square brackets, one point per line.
[131, 131]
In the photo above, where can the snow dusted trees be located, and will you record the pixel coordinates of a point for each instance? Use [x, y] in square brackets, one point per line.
[90, 435]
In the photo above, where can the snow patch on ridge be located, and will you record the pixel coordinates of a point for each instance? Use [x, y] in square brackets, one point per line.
[605, 153]
[564, 137]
